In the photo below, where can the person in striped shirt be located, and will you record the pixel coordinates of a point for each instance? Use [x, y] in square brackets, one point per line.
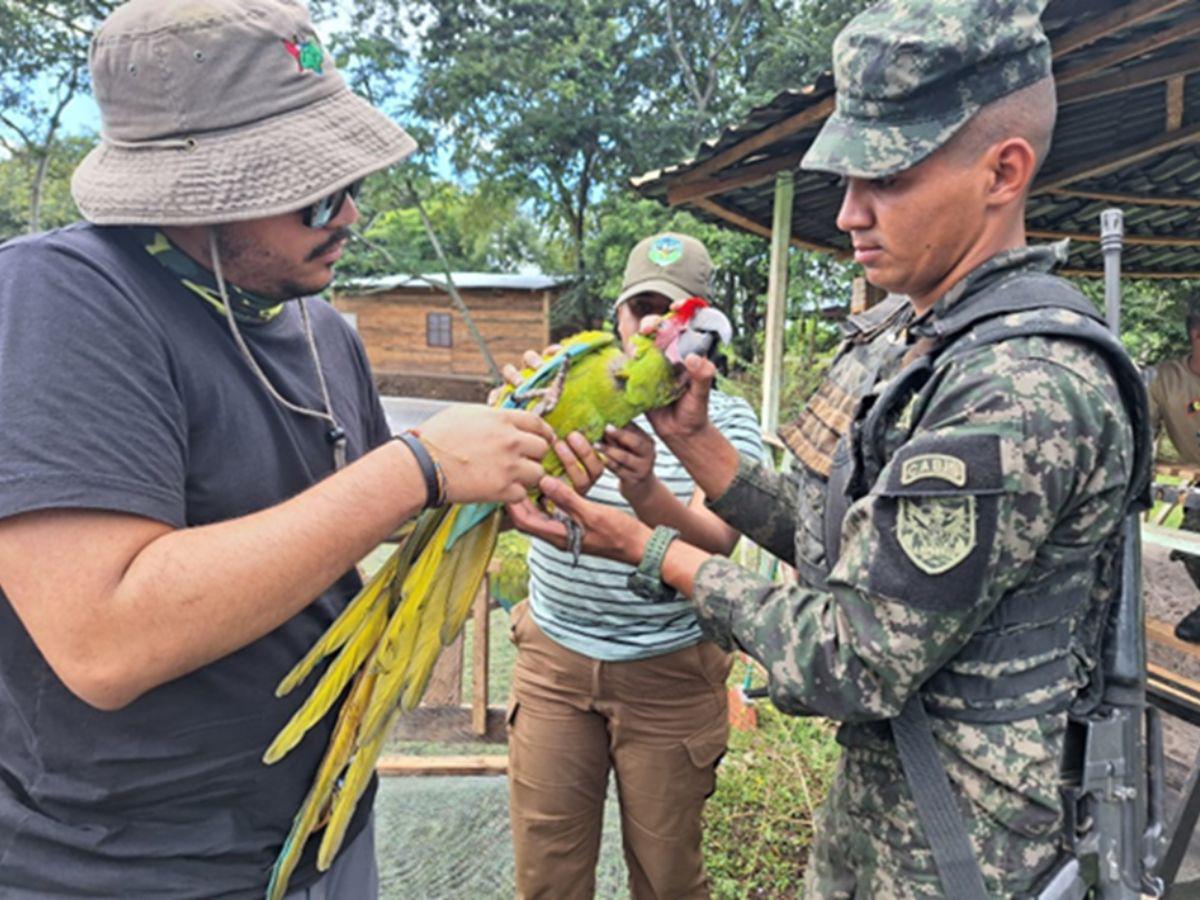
[605, 679]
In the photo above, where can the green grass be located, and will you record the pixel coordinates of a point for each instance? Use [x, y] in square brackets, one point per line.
[758, 824]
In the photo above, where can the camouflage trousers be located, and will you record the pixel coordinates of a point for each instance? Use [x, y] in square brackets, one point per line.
[868, 841]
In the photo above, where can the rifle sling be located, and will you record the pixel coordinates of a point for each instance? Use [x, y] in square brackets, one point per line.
[940, 817]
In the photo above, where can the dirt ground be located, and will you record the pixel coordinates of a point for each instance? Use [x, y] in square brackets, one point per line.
[1169, 595]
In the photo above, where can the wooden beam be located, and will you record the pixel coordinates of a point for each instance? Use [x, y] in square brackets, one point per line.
[1148, 276]
[755, 174]
[1128, 239]
[1183, 63]
[1164, 634]
[747, 224]
[777, 283]
[1125, 156]
[449, 724]
[391, 766]
[764, 138]
[1149, 44]
[1127, 199]
[1177, 470]
[1175, 89]
[1101, 27]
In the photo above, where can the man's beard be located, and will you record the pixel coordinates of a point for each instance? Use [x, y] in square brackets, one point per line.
[269, 276]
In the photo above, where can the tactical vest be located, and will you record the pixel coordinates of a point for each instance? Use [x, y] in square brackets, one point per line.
[816, 437]
[1061, 624]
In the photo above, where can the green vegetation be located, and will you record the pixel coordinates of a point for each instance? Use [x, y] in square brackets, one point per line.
[758, 824]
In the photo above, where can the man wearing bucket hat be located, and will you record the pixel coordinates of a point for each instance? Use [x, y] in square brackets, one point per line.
[960, 479]
[192, 460]
[605, 681]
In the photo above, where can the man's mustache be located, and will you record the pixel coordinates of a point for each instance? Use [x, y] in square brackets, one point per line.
[342, 234]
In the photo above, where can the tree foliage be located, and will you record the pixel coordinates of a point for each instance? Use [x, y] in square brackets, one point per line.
[44, 45]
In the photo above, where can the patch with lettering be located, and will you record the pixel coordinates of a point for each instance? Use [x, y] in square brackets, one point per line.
[934, 465]
[936, 533]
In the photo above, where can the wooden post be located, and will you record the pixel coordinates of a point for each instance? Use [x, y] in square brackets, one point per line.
[777, 284]
[445, 682]
[479, 657]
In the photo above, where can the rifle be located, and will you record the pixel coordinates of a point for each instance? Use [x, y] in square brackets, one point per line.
[1112, 782]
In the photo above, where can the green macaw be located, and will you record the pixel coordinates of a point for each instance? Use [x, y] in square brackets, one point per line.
[390, 635]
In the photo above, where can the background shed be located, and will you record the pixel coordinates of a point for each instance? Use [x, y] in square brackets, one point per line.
[420, 346]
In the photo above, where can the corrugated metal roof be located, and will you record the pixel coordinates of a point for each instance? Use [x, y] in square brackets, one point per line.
[1108, 105]
[464, 281]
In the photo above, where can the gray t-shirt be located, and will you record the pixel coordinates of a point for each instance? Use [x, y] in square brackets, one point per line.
[121, 390]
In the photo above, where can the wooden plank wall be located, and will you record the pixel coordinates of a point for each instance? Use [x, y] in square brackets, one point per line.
[392, 326]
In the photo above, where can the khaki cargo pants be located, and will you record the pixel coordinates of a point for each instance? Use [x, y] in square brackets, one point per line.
[661, 724]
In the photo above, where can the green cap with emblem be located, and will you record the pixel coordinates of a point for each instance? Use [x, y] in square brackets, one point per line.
[671, 264]
[910, 73]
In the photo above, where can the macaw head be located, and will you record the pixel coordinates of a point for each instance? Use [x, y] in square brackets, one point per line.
[692, 327]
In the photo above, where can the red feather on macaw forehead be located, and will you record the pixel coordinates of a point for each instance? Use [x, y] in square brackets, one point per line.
[688, 307]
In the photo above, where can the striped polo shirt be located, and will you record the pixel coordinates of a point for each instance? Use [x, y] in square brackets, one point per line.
[588, 607]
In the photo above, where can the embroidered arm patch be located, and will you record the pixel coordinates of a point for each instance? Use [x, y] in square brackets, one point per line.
[935, 520]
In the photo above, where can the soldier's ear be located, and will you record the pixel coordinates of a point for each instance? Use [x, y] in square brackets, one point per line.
[1011, 164]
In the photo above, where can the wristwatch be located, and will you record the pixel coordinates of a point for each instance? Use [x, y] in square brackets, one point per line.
[646, 580]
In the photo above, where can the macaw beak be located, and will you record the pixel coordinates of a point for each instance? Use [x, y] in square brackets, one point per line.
[704, 333]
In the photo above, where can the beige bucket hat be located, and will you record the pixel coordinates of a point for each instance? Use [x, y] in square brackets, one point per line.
[674, 265]
[219, 111]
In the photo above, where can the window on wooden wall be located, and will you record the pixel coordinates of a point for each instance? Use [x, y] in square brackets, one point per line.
[437, 330]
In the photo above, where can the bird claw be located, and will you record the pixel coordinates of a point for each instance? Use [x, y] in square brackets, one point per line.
[575, 534]
[548, 396]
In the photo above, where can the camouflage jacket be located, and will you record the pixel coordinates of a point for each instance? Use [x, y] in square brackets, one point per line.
[1035, 429]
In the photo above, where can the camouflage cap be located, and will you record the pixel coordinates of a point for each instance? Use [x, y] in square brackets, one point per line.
[910, 73]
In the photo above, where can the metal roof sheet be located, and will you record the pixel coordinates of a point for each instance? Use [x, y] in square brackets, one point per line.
[464, 281]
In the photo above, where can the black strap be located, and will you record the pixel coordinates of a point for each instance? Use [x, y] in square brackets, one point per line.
[429, 471]
[940, 817]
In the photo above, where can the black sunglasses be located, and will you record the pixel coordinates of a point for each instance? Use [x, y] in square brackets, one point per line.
[325, 210]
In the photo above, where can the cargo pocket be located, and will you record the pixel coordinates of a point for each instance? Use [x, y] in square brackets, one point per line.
[514, 621]
[705, 749]
[714, 663]
[510, 715]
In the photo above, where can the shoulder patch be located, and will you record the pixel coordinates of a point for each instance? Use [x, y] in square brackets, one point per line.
[936, 533]
[935, 514]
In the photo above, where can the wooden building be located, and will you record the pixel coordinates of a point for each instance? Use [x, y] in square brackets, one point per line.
[419, 345]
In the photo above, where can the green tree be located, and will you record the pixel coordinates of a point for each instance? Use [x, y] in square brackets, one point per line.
[44, 44]
[18, 172]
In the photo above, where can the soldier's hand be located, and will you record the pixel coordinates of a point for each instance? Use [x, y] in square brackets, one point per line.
[487, 455]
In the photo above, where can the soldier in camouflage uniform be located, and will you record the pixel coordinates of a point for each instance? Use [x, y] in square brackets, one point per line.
[962, 473]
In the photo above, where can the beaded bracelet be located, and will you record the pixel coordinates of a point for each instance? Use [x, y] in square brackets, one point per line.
[431, 471]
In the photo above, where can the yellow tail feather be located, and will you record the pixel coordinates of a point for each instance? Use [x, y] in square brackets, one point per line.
[343, 627]
[315, 804]
[330, 687]
[357, 777]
